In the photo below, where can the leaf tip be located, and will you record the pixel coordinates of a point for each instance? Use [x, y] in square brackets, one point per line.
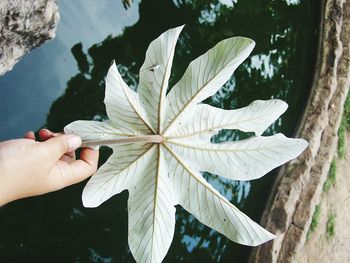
[66, 129]
[88, 204]
[86, 199]
[283, 106]
[69, 128]
[303, 144]
[181, 26]
[268, 236]
[251, 43]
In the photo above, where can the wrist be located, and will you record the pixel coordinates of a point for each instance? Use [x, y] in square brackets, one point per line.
[2, 195]
[2, 202]
[4, 198]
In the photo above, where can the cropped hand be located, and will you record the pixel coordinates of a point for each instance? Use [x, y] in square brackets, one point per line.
[30, 168]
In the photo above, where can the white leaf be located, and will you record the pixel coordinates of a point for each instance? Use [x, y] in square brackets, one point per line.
[207, 120]
[212, 209]
[239, 160]
[154, 75]
[161, 170]
[116, 174]
[204, 77]
[94, 130]
[151, 211]
[123, 107]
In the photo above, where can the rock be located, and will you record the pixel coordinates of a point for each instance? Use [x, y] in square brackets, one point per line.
[24, 25]
[299, 184]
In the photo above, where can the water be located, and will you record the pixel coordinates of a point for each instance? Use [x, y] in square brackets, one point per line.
[64, 81]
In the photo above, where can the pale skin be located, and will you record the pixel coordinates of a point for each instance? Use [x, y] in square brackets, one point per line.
[30, 168]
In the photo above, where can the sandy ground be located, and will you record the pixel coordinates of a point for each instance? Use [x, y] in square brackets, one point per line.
[318, 248]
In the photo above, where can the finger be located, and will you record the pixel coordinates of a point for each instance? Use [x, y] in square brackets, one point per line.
[71, 154]
[78, 170]
[45, 134]
[68, 157]
[55, 147]
[89, 156]
[29, 135]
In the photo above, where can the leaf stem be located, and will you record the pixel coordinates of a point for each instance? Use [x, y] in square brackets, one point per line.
[145, 139]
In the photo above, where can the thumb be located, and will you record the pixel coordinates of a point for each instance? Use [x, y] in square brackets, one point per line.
[57, 146]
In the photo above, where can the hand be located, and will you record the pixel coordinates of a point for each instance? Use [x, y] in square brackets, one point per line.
[30, 168]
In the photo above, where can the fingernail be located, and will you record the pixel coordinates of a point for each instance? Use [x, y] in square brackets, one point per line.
[74, 142]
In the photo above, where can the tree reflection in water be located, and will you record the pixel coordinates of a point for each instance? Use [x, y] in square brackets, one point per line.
[56, 227]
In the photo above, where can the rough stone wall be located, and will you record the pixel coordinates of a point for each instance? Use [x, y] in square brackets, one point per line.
[299, 184]
[24, 25]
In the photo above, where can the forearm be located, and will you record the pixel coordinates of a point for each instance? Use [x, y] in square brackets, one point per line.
[2, 200]
[4, 197]
[2, 186]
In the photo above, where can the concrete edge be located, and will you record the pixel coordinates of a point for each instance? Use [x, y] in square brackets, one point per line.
[299, 184]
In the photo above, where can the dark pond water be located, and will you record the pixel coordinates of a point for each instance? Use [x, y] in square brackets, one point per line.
[64, 81]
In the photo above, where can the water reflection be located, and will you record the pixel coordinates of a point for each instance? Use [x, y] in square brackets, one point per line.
[41, 76]
[280, 67]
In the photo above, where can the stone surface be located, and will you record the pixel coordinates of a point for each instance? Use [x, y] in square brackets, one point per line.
[24, 25]
[320, 248]
[299, 184]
